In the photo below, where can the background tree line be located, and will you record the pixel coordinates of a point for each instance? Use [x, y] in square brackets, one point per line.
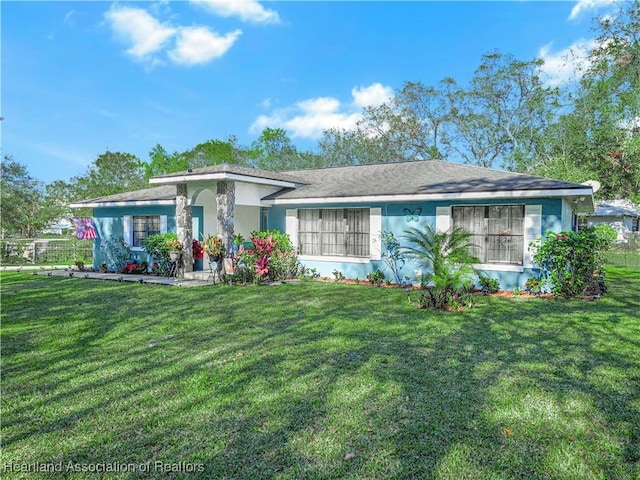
[505, 117]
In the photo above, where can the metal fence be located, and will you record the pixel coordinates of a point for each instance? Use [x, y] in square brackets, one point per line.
[17, 252]
[626, 253]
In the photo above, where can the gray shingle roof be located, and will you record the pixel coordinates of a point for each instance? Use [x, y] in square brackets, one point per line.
[406, 178]
[164, 192]
[234, 169]
[614, 208]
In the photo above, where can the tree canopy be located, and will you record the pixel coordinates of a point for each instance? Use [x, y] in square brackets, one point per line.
[24, 209]
[504, 117]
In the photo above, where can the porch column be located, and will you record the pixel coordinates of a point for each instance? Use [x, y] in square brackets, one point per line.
[184, 226]
[225, 202]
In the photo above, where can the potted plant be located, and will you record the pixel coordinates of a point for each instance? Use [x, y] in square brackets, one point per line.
[175, 248]
[198, 255]
[238, 242]
[213, 247]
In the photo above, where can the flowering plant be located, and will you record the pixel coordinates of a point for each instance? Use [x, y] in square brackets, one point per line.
[135, 267]
[198, 250]
[213, 246]
[174, 245]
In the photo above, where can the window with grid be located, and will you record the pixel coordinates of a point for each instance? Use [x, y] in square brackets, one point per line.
[498, 231]
[334, 232]
[143, 226]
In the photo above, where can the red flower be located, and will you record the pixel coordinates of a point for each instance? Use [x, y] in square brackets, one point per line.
[198, 251]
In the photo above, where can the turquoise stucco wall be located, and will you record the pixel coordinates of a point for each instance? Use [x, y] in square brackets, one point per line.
[394, 220]
[108, 223]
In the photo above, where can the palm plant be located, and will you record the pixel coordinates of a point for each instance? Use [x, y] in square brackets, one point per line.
[446, 257]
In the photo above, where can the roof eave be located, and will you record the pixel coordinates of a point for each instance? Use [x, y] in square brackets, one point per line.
[586, 192]
[124, 203]
[198, 177]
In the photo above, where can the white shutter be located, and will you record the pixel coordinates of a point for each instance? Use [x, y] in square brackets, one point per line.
[375, 229]
[532, 231]
[291, 226]
[127, 229]
[443, 219]
[163, 224]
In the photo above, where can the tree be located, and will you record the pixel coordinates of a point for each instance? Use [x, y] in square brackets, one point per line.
[58, 196]
[23, 208]
[215, 152]
[110, 173]
[274, 150]
[599, 138]
[499, 118]
[161, 162]
[609, 103]
[495, 121]
[448, 264]
[411, 126]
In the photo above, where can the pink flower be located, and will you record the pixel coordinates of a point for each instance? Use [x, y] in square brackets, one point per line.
[262, 266]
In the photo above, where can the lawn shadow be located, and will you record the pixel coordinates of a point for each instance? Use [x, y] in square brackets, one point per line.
[289, 383]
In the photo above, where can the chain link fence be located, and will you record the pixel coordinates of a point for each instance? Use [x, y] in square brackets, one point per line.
[626, 254]
[19, 252]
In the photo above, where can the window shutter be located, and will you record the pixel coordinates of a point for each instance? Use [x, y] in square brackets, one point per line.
[291, 227]
[443, 219]
[127, 229]
[532, 231]
[375, 229]
[163, 224]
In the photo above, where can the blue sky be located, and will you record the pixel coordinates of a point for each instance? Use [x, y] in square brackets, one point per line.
[81, 77]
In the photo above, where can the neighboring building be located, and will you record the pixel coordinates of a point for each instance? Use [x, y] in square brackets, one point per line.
[334, 216]
[622, 215]
[59, 227]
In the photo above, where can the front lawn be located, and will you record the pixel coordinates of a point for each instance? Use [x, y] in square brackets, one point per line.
[316, 380]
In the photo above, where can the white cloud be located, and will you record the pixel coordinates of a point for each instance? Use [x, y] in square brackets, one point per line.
[197, 45]
[136, 26]
[372, 96]
[148, 38]
[567, 65]
[266, 103]
[68, 18]
[247, 10]
[587, 5]
[308, 118]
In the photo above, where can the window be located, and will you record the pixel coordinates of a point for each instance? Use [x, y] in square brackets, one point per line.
[143, 226]
[498, 231]
[335, 232]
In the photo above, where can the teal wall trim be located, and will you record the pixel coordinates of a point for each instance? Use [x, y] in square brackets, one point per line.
[394, 219]
[109, 223]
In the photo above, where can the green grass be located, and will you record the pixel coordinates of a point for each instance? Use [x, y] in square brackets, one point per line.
[624, 259]
[283, 382]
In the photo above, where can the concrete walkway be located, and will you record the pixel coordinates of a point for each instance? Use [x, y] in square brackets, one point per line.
[116, 277]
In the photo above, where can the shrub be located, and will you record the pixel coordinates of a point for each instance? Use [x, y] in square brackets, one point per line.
[337, 274]
[306, 273]
[392, 255]
[118, 253]
[158, 247]
[135, 267]
[446, 254]
[488, 284]
[572, 263]
[376, 277]
[533, 285]
[272, 258]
